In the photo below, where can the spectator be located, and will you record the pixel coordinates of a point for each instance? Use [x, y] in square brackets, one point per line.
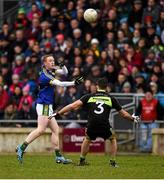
[150, 110]
[77, 38]
[135, 15]
[62, 28]
[89, 62]
[161, 21]
[150, 33]
[25, 97]
[53, 18]
[95, 47]
[35, 29]
[19, 41]
[60, 97]
[10, 114]
[141, 45]
[87, 85]
[150, 61]
[21, 20]
[4, 100]
[61, 43]
[120, 82]
[48, 38]
[104, 58]
[95, 73]
[110, 74]
[5, 33]
[70, 96]
[126, 88]
[157, 47]
[139, 82]
[151, 12]
[15, 82]
[70, 11]
[123, 9]
[134, 58]
[16, 96]
[34, 9]
[121, 40]
[18, 65]
[25, 113]
[5, 72]
[46, 11]
[136, 36]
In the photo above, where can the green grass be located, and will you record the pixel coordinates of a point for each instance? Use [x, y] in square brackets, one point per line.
[43, 166]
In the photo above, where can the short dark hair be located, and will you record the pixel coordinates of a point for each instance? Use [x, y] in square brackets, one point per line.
[102, 83]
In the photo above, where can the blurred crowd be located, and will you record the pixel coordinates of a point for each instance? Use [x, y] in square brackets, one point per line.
[125, 44]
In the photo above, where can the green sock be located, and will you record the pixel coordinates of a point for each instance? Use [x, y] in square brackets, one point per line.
[82, 158]
[57, 153]
[24, 146]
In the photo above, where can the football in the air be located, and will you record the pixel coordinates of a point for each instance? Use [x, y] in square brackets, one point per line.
[90, 15]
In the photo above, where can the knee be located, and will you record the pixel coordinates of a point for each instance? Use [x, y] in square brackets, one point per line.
[87, 140]
[40, 131]
[56, 131]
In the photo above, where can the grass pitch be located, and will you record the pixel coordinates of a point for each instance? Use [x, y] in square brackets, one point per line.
[44, 166]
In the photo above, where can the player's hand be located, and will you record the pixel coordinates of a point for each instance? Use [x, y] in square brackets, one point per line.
[136, 118]
[61, 64]
[53, 115]
[79, 80]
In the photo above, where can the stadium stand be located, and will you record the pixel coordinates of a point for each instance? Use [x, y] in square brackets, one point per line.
[126, 45]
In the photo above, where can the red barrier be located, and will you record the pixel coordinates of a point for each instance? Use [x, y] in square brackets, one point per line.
[73, 138]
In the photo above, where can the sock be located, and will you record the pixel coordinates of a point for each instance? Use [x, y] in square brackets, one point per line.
[113, 158]
[82, 158]
[57, 153]
[24, 146]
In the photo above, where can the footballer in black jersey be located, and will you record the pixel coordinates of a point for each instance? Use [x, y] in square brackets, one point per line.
[98, 106]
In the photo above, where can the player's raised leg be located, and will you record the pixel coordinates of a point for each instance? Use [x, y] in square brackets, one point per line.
[42, 124]
[84, 151]
[55, 142]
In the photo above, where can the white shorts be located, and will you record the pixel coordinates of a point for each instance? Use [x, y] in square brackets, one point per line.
[44, 109]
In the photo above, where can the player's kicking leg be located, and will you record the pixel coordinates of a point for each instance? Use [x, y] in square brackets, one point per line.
[112, 161]
[84, 151]
[55, 142]
[42, 124]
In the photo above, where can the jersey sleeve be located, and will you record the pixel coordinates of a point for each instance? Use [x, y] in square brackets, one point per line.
[115, 104]
[84, 99]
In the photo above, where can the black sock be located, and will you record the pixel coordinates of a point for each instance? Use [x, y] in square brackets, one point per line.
[24, 146]
[57, 152]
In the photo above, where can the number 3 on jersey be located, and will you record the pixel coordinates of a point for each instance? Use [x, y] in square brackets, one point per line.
[100, 108]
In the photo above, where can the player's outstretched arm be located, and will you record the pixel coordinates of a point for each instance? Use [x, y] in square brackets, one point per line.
[77, 81]
[127, 116]
[71, 107]
[56, 82]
